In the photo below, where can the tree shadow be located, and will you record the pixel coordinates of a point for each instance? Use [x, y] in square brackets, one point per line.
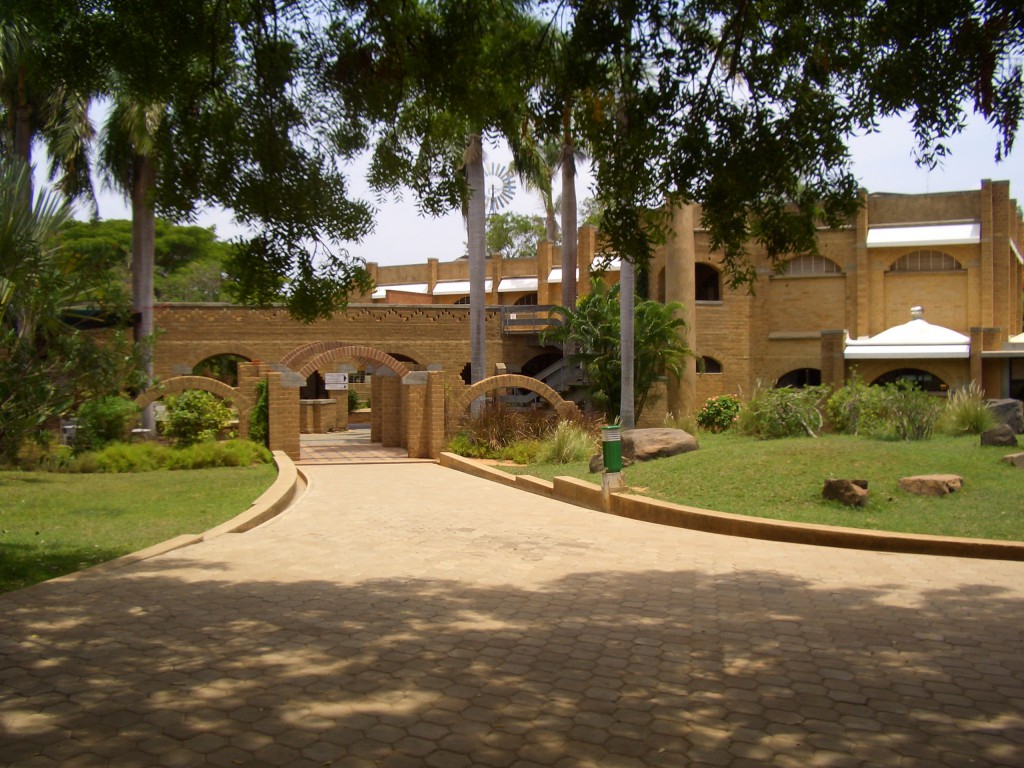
[662, 668]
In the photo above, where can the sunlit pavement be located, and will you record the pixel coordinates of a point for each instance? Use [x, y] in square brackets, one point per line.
[403, 614]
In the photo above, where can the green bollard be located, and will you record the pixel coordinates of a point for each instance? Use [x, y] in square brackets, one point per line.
[611, 440]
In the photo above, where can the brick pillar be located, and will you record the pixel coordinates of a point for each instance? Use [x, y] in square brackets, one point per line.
[414, 407]
[390, 406]
[544, 289]
[862, 274]
[586, 249]
[376, 404]
[434, 415]
[284, 415]
[248, 375]
[833, 360]
[680, 256]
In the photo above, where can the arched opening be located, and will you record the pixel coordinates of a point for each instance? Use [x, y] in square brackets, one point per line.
[223, 368]
[529, 300]
[463, 300]
[467, 374]
[925, 261]
[921, 379]
[403, 359]
[810, 265]
[709, 365]
[707, 285]
[799, 378]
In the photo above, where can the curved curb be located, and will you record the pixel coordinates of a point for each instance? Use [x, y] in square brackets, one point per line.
[272, 502]
[590, 496]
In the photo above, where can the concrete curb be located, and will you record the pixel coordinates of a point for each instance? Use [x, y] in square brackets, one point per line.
[590, 496]
[272, 502]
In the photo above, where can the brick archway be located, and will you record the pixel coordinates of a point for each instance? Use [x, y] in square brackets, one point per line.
[564, 408]
[325, 353]
[178, 384]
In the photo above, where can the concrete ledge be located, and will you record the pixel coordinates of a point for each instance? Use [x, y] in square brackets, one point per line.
[275, 500]
[588, 495]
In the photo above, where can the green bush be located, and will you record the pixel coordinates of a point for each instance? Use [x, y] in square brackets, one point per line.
[966, 413]
[463, 444]
[783, 412]
[718, 413]
[856, 408]
[353, 400]
[146, 457]
[568, 443]
[102, 421]
[909, 412]
[259, 418]
[522, 451]
[195, 416]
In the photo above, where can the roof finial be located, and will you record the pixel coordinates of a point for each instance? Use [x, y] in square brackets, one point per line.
[917, 313]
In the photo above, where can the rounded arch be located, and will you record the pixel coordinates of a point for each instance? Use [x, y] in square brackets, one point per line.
[178, 384]
[799, 378]
[709, 365]
[919, 377]
[221, 349]
[356, 352]
[526, 300]
[925, 260]
[223, 367]
[564, 408]
[810, 264]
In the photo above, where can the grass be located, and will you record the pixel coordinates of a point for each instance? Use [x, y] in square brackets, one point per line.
[52, 524]
[782, 479]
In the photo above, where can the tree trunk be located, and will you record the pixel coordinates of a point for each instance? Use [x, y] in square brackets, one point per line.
[569, 236]
[476, 225]
[627, 285]
[143, 248]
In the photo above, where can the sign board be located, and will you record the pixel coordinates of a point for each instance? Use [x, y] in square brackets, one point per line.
[336, 381]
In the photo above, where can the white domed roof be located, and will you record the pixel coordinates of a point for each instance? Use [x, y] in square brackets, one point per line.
[917, 339]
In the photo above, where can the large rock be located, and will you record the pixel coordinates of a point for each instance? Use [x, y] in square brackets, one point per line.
[656, 443]
[1001, 437]
[1009, 412]
[1015, 460]
[852, 493]
[932, 485]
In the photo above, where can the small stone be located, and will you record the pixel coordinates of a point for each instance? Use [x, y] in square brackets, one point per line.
[1015, 460]
[852, 493]
[931, 485]
[1001, 436]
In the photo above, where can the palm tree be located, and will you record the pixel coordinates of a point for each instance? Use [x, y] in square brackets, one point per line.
[130, 162]
[476, 225]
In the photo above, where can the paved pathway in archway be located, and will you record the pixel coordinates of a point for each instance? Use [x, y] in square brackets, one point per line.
[410, 615]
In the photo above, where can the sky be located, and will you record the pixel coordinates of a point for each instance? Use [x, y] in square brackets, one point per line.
[882, 162]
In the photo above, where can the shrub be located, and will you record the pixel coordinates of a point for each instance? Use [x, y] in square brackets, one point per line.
[966, 413]
[522, 451]
[783, 412]
[259, 417]
[145, 457]
[498, 426]
[102, 421]
[718, 413]
[353, 400]
[463, 444]
[856, 408]
[569, 442]
[909, 413]
[195, 416]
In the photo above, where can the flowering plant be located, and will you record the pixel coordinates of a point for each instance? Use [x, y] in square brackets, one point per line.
[718, 413]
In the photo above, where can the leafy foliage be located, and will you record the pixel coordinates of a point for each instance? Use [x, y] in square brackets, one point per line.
[514, 235]
[570, 441]
[897, 410]
[718, 413]
[195, 416]
[966, 413]
[103, 420]
[259, 417]
[783, 412]
[592, 329]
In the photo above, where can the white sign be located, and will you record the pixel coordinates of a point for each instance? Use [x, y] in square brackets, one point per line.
[335, 381]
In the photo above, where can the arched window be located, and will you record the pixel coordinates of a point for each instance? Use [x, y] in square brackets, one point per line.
[707, 286]
[221, 367]
[799, 378]
[925, 261]
[463, 300]
[709, 365]
[529, 300]
[812, 264]
[920, 379]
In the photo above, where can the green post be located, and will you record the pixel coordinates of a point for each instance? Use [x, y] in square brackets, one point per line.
[611, 440]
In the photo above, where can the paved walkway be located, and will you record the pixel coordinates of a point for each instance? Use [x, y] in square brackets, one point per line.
[410, 615]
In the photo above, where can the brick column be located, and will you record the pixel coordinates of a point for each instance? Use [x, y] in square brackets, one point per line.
[376, 403]
[390, 407]
[434, 415]
[414, 407]
[284, 415]
[680, 256]
[833, 361]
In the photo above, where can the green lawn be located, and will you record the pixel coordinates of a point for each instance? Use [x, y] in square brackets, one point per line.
[52, 524]
[782, 479]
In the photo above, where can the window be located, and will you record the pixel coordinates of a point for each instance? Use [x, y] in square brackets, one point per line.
[463, 300]
[810, 265]
[920, 379]
[709, 365]
[800, 378]
[529, 300]
[707, 286]
[925, 261]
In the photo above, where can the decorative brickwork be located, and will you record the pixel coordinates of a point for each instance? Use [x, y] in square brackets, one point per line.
[178, 384]
[462, 400]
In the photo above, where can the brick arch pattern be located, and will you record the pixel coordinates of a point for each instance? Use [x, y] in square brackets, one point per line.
[564, 408]
[241, 350]
[178, 384]
[335, 351]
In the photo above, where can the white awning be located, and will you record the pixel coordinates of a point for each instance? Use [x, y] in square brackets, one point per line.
[457, 287]
[916, 340]
[924, 235]
[513, 284]
[1013, 247]
[614, 264]
[381, 291]
[555, 276]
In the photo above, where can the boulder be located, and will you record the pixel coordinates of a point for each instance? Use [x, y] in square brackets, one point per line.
[656, 443]
[1001, 437]
[1015, 460]
[931, 485]
[852, 493]
[1009, 412]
